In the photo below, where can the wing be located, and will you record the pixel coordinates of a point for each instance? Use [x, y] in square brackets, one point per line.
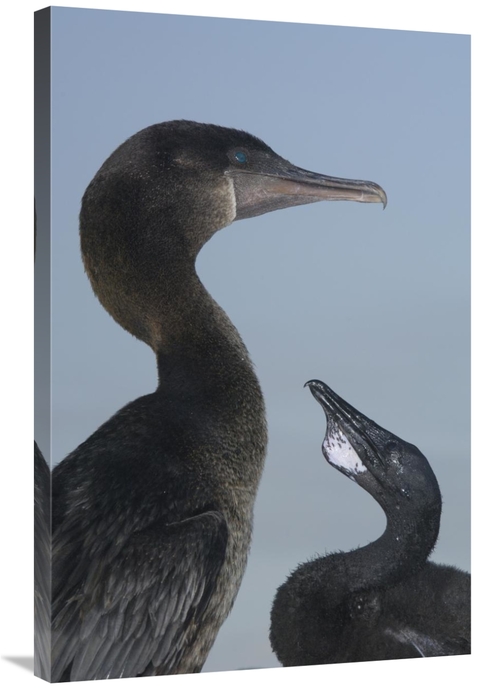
[145, 606]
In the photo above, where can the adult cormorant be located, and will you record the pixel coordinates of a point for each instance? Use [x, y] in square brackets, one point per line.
[153, 512]
[385, 600]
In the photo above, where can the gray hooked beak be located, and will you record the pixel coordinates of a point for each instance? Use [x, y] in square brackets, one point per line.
[284, 185]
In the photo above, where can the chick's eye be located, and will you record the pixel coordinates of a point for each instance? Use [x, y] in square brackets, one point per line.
[392, 449]
[240, 157]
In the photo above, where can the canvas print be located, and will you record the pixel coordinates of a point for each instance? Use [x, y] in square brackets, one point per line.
[210, 329]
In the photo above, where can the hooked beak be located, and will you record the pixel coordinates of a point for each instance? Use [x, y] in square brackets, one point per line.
[351, 424]
[260, 192]
[341, 446]
[336, 407]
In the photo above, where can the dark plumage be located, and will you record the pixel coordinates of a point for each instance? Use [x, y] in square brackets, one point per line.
[385, 600]
[41, 515]
[42, 566]
[153, 512]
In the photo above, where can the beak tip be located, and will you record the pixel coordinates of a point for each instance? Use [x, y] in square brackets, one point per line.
[313, 384]
[383, 197]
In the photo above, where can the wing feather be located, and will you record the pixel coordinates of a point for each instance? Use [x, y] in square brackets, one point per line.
[144, 605]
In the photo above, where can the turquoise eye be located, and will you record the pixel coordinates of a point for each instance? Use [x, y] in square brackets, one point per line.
[241, 157]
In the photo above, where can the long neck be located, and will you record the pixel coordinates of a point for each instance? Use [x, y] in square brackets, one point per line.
[147, 281]
[205, 373]
[184, 314]
[401, 551]
[152, 290]
[196, 344]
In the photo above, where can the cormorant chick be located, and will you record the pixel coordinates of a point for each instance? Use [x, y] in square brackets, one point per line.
[385, 600]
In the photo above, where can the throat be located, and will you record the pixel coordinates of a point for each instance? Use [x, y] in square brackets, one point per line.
[403, 548]
[401, 551]
[200, 353]
[208, 386]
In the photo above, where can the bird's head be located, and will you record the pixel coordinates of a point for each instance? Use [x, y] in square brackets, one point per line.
[394, 471]
[190, 180]
[166, 190]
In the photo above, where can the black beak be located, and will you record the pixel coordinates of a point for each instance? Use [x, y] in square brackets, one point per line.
[334, 406]
[355, 425]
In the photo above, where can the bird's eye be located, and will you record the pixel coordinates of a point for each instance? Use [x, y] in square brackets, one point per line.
[392, 447]
[240, 157]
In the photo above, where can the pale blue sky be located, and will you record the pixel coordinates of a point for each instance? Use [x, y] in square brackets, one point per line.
[375, 303]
